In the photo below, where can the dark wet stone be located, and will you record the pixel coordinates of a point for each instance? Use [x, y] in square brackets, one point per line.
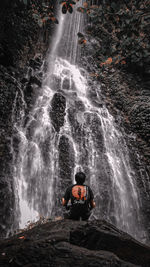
[102, 236]
[31, 128]
[19, 35]
[35, 80]
[126, 95]
[57, 112]
[3, 184]
[66, 84]
[80, 105]
[67, 243]
[30, 96]
[24, 80]
[55, 83]
[75, 125]
[66, 160]
[7, 96]
[35, 63]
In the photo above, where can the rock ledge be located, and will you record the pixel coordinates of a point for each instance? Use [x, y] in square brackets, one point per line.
[72, 243]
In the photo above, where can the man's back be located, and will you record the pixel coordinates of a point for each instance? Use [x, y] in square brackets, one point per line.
[81, 197]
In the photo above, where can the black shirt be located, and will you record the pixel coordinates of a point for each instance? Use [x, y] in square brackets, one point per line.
[68, 193]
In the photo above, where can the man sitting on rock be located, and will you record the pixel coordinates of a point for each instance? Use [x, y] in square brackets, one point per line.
[81, 197]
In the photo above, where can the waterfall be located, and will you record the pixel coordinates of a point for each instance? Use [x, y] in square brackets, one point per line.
[67, 130]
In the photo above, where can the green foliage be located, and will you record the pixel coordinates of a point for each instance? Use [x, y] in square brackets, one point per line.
[42, 12]
[122, 29]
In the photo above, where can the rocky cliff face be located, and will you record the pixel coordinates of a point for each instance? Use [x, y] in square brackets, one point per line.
[22, 45]
[126, 94]
[127, 98]
[72, 243]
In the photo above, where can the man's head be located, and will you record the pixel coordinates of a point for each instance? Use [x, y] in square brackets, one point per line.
[80, 178]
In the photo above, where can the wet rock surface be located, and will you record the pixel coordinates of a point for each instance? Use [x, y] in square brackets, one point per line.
[20, 53]
[66, 160]
[72, 243]
[129, 103]
[57, 113]
[126, 95]
[11, 102]
[7, 96]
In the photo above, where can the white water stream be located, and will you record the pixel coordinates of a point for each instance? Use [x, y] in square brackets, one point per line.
[87, 140]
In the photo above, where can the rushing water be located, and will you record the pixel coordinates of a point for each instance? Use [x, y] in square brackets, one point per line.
[67, 130]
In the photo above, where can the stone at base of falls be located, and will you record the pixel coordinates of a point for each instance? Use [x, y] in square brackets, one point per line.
[57, 113]
[71, 243]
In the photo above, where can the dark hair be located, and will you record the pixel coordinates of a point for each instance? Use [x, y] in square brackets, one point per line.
[80, 178]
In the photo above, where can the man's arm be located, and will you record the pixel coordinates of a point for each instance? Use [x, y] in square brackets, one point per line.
[92, 202]
[66, 197]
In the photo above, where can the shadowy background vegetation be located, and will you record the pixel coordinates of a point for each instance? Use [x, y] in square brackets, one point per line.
[120, 27]
[122, 31]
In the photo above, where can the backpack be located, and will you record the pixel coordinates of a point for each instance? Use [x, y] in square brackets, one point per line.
[80, 195]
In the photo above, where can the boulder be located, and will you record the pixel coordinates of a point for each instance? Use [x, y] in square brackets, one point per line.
[65, 243]
[57, 113]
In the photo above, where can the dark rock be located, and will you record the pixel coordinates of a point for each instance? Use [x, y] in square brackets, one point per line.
[19, 42]
[79, 104]
[7, 201]
[72, 243]
[75, 125]
[55, 82]
[35, 63]
[57, 113]
[102, 236]
[24, 80]
[127, 98]
[35, 80]
[66, 84]
[30, 93]
[66, 160]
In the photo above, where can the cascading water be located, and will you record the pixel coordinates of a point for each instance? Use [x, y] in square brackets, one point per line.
[69, 130]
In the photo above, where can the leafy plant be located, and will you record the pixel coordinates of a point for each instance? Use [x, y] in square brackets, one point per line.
[122, 29]
[43, 12]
